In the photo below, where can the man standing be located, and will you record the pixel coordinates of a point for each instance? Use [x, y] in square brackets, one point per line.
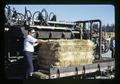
[112, 46]
[29, 44]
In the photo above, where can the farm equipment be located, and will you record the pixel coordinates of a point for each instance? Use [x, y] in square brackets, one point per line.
[48, 28]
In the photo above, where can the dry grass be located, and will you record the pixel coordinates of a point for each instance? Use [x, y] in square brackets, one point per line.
[63, 53]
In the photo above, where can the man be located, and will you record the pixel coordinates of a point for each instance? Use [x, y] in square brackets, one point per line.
[29, 44]
[112, 46]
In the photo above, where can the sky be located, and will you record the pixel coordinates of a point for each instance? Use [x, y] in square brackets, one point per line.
[71, 13]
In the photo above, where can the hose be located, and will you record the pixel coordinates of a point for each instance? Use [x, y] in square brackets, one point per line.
[42, 18]
[28, 11]
[34, 15]
[53, 17]
[14, 16]
[20, 16]
[26, 17]
[46, 14]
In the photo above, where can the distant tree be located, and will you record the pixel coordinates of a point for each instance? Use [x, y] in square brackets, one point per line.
[103, 28]
[113, 27]
[108, 28]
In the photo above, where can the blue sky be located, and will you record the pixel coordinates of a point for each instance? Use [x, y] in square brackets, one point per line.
[71, 13]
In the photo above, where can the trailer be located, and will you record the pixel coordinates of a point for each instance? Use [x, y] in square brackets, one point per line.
[98, 68]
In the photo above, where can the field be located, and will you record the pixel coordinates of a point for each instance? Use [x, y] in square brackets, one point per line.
[109, 34]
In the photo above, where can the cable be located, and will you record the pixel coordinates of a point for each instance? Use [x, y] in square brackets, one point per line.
[14, 14]
[41, 17]
[26, 13]
[46, 14]
[14, 17]
[27, 18]
[34, 15]
[21, 16]
[53, 17]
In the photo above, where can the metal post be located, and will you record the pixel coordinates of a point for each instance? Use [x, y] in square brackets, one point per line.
[83, 72]
[58, 73]
[100, 40]
[90, 30]
[76, 69]
[81, 31]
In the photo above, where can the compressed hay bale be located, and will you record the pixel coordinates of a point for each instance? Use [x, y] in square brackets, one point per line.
[64, 53]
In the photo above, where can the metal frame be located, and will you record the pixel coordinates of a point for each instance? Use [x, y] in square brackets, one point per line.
[100, 32]
[76, 71]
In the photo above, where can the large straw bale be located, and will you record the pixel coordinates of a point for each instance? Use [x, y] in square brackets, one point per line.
[64, 53]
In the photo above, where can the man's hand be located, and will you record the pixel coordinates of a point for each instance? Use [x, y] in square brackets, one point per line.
[41, 42]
